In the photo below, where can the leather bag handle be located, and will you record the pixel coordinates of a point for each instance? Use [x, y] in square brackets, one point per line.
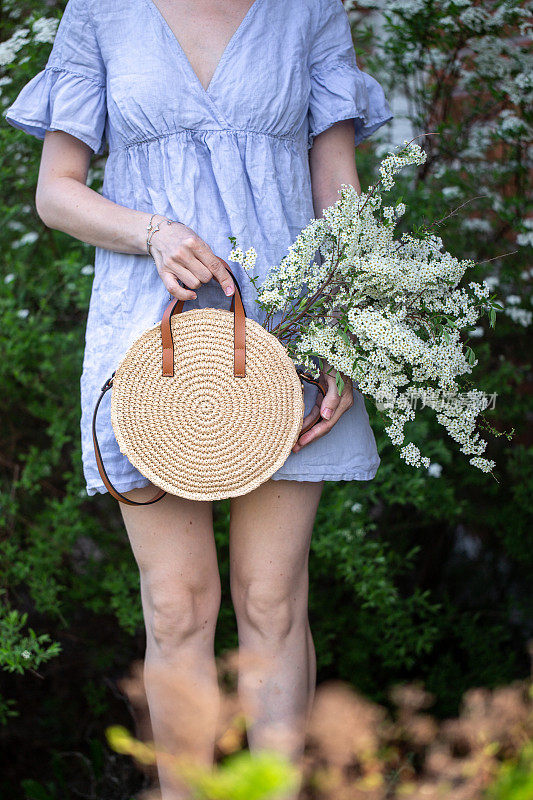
[239, 328]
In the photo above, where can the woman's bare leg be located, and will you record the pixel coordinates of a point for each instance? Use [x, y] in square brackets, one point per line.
[174, 547]
[270, 534]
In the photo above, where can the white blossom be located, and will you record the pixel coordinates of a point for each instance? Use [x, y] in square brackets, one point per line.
[247, 259]
[451, 192]
[44, 29]
[477, 224]
[29, 238]
[435, 470]
[525, 239]
[520, 315]
[10, 48]
[390, 312]
[483, 464]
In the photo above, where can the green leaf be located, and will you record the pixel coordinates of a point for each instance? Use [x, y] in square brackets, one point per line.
[470, 355]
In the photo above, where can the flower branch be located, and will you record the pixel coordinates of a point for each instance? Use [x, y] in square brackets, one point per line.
[384, 310]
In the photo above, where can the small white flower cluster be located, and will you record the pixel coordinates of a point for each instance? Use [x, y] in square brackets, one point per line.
[386, 312]
[245, 259]
[411, 455]
[526, 239]
[28, 238]
[409, 153]
[10, 48]
[484, 464]
[435, 469]
[520, 315]
[44, 29]
[284, 280]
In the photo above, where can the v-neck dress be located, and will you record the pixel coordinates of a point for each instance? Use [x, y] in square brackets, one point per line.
[232, 160]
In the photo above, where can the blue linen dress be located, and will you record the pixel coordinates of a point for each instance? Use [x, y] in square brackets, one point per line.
[229, 160]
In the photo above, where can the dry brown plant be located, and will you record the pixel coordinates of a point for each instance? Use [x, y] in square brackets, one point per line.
[358, 750]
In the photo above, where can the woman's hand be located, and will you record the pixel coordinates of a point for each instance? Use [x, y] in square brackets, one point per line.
[331, 407]
[179, 252]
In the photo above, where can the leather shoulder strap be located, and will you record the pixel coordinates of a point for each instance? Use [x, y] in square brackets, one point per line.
[101, 469]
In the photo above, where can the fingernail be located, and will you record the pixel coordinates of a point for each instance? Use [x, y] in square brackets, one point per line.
[229, 290]
[327, 413]
[194, 297]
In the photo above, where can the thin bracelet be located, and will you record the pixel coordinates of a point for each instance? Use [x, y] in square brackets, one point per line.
[151, 218]
[151, 230]
[149, 238]
[150, 224]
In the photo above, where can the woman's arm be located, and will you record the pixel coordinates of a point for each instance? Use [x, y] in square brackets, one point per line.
[64, 202]
[331, 163]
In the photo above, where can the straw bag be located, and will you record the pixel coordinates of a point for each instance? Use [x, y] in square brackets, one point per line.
[207, 405]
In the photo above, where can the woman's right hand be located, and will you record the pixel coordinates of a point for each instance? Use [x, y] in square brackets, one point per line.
[179, 252]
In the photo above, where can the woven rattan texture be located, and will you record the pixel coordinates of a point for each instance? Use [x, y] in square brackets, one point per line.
[204, 433]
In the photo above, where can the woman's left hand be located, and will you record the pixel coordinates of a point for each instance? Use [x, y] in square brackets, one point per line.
[330, 407]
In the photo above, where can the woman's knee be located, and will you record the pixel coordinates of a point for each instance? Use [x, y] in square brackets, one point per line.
[178, 611]
[269, 610]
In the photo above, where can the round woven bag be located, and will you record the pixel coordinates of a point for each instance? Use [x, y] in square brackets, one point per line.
[207, 405]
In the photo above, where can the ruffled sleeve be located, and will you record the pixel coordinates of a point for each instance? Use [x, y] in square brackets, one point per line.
[339, 89]
[69, 94]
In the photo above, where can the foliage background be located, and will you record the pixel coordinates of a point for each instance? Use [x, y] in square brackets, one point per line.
[413, 575]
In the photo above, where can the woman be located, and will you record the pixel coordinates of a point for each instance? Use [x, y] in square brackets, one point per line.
[230, 118]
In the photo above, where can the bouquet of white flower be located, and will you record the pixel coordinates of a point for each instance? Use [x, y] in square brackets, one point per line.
[386, 312]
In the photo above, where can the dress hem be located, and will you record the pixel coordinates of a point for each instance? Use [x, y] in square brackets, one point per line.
[356, 475]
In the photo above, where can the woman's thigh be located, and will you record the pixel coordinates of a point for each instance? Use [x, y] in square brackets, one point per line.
[270, 536]
[174, 547]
